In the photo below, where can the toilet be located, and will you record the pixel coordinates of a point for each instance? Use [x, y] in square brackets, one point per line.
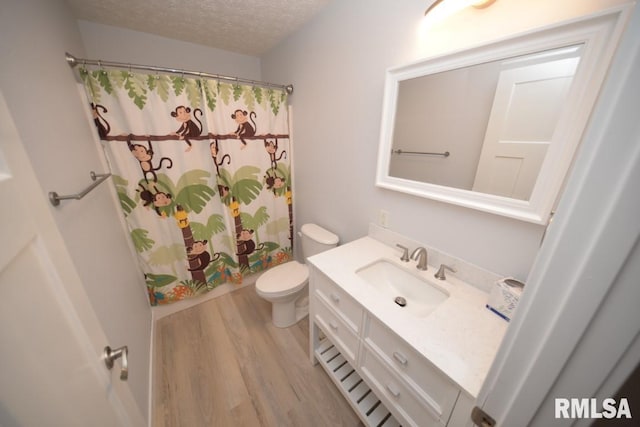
[285, 285]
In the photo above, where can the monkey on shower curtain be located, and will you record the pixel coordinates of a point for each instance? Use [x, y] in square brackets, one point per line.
[202, 171]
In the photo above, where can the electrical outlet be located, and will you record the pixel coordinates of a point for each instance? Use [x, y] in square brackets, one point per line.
[383, 218]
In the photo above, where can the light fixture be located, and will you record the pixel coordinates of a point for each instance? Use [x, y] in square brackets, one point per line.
[455, 5]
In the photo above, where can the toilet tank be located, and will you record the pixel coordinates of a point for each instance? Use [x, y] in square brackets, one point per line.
[316, 239]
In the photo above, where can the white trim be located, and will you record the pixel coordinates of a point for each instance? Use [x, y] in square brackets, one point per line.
[152, 341]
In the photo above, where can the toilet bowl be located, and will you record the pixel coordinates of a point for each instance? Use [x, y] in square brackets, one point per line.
[285, 285]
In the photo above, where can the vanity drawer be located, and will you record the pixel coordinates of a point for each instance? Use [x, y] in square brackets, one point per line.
[429, 383]
[336, 330]
[401, 400]
[338, 300]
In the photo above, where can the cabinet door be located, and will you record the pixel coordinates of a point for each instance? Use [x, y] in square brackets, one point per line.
[339, 301]
[397, 396]
[433, 387]
[336, 330]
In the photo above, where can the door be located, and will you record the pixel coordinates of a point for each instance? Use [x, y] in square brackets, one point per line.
[576, 333]
[51, 367]
[526, 108]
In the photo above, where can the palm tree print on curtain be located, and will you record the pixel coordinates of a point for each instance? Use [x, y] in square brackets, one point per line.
[202, 172]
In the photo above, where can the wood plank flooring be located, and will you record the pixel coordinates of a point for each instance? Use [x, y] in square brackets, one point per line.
[222, 363]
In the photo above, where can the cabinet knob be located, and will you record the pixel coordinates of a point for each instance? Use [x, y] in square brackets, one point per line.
[393, 390]
[400, 358]
[335, 298]
[333, 326]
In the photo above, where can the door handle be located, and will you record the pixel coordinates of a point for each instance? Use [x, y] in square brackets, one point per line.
[111, 355]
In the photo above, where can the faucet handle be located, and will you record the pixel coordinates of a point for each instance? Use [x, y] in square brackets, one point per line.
[440, 273]
[405, 253]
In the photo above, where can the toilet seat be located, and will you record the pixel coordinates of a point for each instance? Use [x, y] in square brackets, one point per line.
[283, 279]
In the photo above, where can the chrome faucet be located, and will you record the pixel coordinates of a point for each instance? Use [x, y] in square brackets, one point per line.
[420, 254]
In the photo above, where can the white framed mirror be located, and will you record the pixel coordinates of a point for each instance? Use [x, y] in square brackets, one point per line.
[496, 127]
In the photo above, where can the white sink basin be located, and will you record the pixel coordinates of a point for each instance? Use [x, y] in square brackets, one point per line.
[392, 281]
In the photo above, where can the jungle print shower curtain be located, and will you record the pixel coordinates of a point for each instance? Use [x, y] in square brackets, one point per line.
[202, 171]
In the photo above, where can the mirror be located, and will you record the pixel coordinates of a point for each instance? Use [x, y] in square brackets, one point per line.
[495, 127]
[510, 109]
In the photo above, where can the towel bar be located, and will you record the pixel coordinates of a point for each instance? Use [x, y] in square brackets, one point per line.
[399, 151]
[98, 179]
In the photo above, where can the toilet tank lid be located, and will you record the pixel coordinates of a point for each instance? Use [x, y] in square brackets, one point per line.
[319, 234]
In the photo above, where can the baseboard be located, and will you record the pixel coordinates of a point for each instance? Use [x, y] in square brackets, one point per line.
[161, 311]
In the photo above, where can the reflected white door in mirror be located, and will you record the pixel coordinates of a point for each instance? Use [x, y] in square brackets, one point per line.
[510, 114]
[526, 108]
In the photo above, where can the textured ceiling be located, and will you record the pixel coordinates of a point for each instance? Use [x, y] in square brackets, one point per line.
[250, 27]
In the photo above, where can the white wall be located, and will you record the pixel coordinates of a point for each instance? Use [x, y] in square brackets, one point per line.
[122, 45]
[337, 64]
[50, 116]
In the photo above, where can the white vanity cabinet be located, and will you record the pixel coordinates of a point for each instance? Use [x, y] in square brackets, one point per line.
[386, 380]
[338, 315]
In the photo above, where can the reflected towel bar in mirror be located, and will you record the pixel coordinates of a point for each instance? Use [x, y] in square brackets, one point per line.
[399, 151]
[98, 179]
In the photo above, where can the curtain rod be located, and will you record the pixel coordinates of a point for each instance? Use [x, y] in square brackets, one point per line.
[73, 61]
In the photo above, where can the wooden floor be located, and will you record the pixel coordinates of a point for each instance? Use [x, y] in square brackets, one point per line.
[222, 363]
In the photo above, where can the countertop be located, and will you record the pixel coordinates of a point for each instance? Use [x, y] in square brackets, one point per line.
[460, 337]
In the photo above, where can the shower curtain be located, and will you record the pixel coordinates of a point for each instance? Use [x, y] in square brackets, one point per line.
[202, 172]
